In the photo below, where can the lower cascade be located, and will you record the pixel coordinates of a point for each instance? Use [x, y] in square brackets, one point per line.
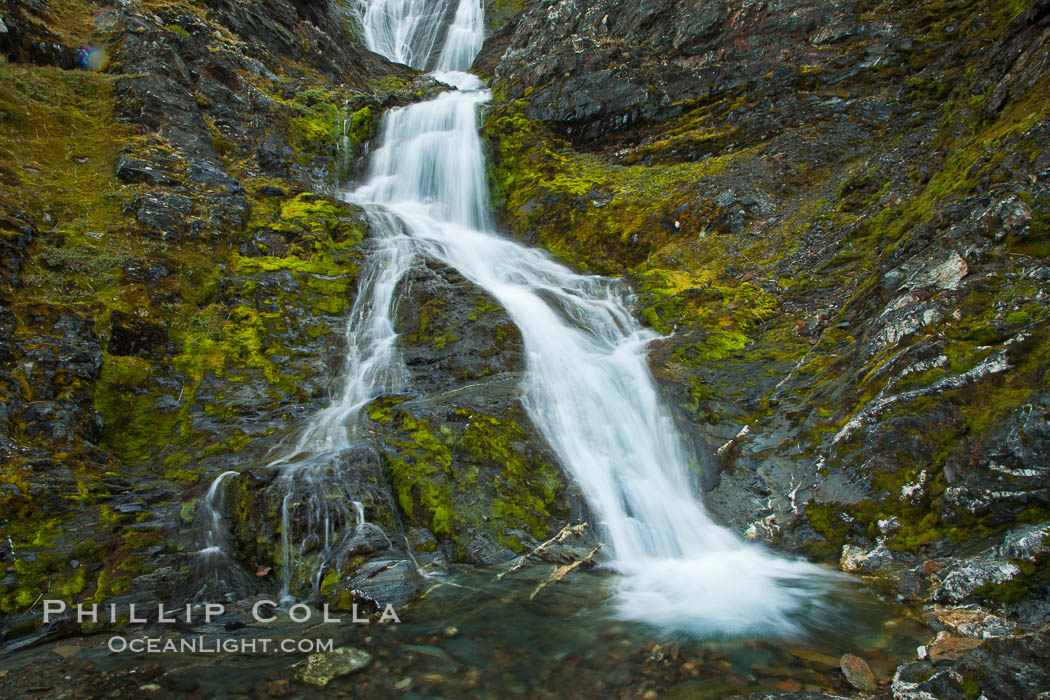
[588, 387]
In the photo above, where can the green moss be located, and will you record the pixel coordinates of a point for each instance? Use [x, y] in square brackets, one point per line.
[47, 572]
[62, 121]
[124, 397]
[320, 118]
[436, 474]
[970, 687]
[381, 410]
[178, 31]
[421, 477]
[188, 511]
[594, 214]
[497, 12]
[484, 307]
[433, 327]
[528, 484]
[1018, 317]
[361, 127]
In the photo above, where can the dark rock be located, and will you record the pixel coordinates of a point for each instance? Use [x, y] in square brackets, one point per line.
[274, 158]
[452, 331]
[270, 191]
[16, 234]
[62, 365]
[136, 336]
[141, 270]
[135, 170]
[211, 175]
[163, 213]
[388, 582]
[1006, 667]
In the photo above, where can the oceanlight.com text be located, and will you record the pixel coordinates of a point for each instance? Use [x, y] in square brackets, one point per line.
[204, 645]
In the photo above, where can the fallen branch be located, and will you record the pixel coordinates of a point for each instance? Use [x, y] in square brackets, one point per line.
[563, 571]
[564, 534]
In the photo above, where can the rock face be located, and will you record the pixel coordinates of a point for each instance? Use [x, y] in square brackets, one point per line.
[836, 214]
[174, 279]
[465, 461]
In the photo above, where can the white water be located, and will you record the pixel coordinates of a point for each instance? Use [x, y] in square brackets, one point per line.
[402, 30]
[588, 386]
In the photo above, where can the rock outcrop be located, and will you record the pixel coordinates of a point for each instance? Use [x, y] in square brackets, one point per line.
[175, 278]
[836, 214]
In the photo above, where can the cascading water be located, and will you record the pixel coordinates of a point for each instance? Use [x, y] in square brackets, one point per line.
[587, 388]
[404, 31]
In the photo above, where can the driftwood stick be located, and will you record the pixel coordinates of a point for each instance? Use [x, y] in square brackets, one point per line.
[564, 534]
[563, 571]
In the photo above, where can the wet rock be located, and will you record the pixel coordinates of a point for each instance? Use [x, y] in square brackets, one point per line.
[388, 582]
[212, 176]
[963, 579]
[61, 367]
[487, 552]
[319, 495]
[1010, 474]
[859, 559]
[452, 331]
[972, 621]
[947, 647]
[858, 673]
[1007, 667]
[910, 680]
[471, 468]
[995, 566]
[321, 669]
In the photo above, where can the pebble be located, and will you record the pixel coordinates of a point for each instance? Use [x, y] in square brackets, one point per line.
[858, 673]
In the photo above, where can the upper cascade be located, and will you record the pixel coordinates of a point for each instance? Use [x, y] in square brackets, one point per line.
[407, 31]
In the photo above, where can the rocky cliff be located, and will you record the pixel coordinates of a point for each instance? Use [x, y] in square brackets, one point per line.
[834, 211]
[836, 214]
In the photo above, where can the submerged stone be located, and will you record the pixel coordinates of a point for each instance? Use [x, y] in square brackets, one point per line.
[321, 669]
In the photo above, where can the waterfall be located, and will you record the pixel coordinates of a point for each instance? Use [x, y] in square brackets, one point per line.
[588, 387]
[404, 31]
